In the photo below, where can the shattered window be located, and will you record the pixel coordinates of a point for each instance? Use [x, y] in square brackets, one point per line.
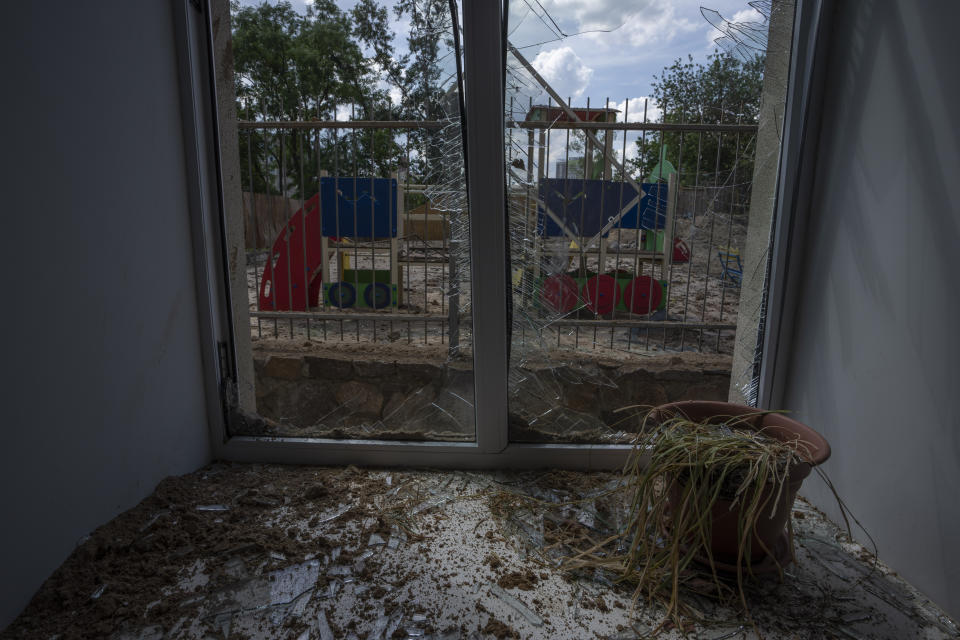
[628, 216]
[639, 194]
[354, 218]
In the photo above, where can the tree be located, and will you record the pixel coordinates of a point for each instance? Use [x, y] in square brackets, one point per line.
[422, 84]
[291, 66]
[577, 155]
[724, 91]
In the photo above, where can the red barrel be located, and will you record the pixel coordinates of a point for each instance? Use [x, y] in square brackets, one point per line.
[601, 293]
[642, 295]
[559, 293]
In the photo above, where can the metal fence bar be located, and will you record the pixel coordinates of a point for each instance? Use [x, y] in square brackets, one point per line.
[282, 152]
[674, 194]
[696, 185]
[723, 279]
[634, 126]
[384, 316]
[637, 264]
[341, 124]
[713, 218]
[270, 256]
[253, 222]
[518, 124]
[645, 324]
[356, 230]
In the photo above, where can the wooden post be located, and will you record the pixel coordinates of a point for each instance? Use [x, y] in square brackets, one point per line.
[325, 264]
[588, 158]
[607, 154]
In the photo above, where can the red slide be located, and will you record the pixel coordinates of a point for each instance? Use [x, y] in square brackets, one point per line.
[294, 262]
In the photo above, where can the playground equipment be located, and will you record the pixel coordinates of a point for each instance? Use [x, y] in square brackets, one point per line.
[653, 241]
[579, 214]
[298, 269]
[730, 264]
[603, 293]
[584, 213]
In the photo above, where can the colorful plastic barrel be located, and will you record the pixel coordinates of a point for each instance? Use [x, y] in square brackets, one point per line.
[377, 295]
[342, 295]
[601, 294]
[559, 293]
[642, 295]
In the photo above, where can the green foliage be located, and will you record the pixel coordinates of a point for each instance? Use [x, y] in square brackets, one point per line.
[578, 146]
[291, 66]
[724, 91]
[430, 40]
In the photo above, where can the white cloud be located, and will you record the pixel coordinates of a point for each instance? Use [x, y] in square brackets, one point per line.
[648, 36]
[644, 29]
[748, 15]
[564, 70]
[581, 15]
[642, 23]
[634, 110]
[395, 95]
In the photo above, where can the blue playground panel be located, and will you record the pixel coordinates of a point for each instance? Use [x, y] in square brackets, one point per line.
[578, 203]
[349, 212]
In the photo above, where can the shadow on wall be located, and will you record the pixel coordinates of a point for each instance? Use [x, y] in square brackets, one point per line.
[874, 357]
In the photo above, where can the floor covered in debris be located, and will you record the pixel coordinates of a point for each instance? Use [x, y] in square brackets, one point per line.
[259, 551]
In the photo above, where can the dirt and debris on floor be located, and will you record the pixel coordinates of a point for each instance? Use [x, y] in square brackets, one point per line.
[259, 551]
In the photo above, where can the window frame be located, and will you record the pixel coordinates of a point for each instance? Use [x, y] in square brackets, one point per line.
[221, 323]
[798, 155]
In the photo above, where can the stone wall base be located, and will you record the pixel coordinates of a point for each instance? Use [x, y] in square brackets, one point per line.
[350, 395]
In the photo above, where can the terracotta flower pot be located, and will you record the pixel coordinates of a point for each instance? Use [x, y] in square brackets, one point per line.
[769, 532]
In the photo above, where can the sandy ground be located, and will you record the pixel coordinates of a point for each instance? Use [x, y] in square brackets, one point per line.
[698, 292]
[257, 551]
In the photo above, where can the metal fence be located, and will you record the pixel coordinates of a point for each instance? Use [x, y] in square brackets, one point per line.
[350, 235]
[348, 248]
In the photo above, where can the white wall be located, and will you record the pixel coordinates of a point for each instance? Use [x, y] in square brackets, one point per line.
[102, 376]
[875, 362]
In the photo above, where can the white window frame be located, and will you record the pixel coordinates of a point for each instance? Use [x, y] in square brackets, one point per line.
[482, 51]
[798, 157]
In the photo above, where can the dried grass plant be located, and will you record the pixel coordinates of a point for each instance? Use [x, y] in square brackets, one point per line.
[679, 471]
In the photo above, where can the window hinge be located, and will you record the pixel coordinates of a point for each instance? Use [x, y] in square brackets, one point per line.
[223, 359]
[228, 387]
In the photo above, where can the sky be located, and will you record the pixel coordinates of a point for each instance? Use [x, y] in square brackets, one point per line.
[644, 37]
[621, 46]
